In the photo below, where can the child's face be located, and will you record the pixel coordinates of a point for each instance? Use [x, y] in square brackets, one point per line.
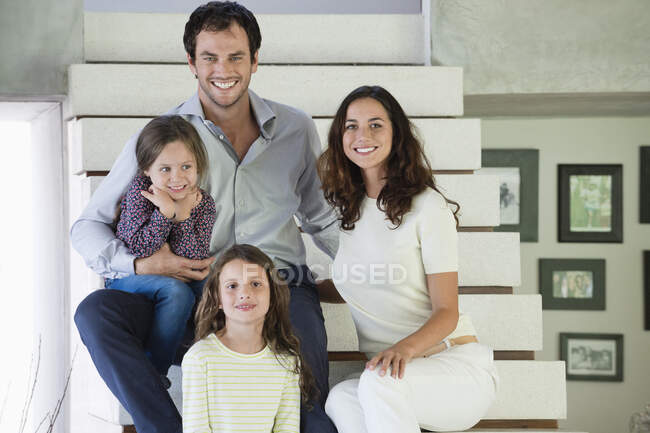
[174, 171]
[244, 292]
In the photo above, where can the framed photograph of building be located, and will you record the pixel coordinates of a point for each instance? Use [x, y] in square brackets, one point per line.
[592, 356]
[572, 284]
[590, 205]
[644, 187]
[518, 171]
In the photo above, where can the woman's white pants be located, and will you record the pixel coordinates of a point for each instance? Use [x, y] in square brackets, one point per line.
[451, 390]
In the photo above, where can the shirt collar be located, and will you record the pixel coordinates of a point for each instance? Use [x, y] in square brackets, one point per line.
[261, 110]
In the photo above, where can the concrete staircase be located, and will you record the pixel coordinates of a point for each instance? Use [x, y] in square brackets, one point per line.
[135, 70]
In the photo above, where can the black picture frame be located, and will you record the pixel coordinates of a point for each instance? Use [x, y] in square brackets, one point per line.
[591, 363]
[527, 160]
[565, 232]
[646, 291]
[644, 186]
[552, 269]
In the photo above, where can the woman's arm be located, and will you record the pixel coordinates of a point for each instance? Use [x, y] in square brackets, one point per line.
[443, 291]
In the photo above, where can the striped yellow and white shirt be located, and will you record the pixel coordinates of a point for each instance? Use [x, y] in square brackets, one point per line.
[226, 391]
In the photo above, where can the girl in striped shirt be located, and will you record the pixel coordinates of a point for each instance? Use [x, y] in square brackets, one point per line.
[245, 372]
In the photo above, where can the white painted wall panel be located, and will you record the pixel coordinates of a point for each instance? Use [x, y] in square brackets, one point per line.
[503, 322]
[485, 259]
[322, 39]
[450, 144]
[149, 90]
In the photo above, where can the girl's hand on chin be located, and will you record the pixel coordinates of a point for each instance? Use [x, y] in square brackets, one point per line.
[396, 357]
[185, 205]
[161, 200]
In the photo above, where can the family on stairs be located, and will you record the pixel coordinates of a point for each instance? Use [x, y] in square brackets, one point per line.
[204, 261]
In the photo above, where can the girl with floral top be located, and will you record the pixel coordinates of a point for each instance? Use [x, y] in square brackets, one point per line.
[164, 206]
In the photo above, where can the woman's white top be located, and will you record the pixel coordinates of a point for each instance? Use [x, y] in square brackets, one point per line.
[381, 271]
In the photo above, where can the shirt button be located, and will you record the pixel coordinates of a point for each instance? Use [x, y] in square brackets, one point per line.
[220, 136]
[242, 234]
[241, 204]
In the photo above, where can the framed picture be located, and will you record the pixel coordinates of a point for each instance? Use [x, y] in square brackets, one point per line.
[518, 171]
[572, 284]
[592, 356]
[646, 284]
[590, 203]
[644, 187]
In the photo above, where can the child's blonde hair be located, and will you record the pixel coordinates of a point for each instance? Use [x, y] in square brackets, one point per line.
[277, 330]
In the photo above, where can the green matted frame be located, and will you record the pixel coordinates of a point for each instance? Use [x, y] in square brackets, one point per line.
[527, 160]
[565, 171]
[564, 355]
[548, 266]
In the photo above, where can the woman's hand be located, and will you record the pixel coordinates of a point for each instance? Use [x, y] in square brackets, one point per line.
[161, 200]
[185, 205]
[396, 357]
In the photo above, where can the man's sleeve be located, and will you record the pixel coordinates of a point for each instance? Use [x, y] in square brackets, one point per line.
[315, 215]
[92, 235]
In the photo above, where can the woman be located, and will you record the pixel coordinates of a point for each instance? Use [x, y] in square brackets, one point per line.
[396, 267]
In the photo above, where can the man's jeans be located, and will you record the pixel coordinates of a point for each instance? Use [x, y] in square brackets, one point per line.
[114, 326]
[173, 301]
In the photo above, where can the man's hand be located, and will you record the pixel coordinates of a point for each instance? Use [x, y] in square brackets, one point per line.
[164, 262]
[185, 205]
[396, 357]
[161, 200]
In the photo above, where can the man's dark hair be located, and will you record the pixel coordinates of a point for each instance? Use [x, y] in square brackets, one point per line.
[216, 16]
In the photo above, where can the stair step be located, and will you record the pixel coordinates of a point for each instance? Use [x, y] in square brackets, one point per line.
[307, 38]
[485, 259]
[150, 90]
[527, 389]
[502, 322]
[95, 142]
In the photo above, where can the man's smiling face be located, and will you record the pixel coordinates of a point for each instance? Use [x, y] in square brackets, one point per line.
[223, 66]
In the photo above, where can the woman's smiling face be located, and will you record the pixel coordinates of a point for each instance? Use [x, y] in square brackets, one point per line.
[368, 134]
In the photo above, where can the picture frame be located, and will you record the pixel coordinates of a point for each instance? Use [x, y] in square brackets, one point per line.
[646, 291]
[521, 167]
[590, 203]
[594, 357]
[572, 284]
[644, 186]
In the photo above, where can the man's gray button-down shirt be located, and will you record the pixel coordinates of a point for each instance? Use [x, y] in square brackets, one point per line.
[256, 198]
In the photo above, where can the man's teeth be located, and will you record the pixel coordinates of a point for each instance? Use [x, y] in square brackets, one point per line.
[226, 85]
[365, 149]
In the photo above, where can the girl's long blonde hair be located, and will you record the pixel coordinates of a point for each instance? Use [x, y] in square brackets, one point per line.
[277, 330]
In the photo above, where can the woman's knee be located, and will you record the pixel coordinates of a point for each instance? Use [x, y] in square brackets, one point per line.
[341, 397]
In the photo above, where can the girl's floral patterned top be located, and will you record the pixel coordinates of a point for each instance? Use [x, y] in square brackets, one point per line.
[144, 229]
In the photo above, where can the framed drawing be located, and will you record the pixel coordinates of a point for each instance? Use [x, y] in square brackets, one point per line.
[644, 187]
[572, 284]
[590, 205]
[518, 171]
[592, 356]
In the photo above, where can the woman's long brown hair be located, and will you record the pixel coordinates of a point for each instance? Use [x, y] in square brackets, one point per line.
[277, 330]
[408, 171]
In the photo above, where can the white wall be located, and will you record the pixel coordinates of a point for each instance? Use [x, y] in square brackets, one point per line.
[596, 407]
[38, 40]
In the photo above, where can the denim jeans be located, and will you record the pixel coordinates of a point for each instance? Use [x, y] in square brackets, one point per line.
[173, 303]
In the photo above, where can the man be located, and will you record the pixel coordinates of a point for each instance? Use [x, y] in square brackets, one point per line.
[262, 173]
